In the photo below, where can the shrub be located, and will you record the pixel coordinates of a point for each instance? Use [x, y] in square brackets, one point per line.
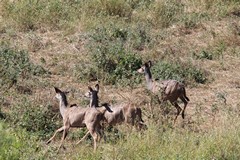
[34, 118]
[203, 55]
[112, 55]
[178, 71]
[215, 52]
[15, 65]
[17, 143]
[9, 145]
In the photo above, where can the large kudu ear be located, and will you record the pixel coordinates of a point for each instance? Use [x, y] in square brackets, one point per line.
[106, 105]
[90, 88]
[97, 87]
[57, 90]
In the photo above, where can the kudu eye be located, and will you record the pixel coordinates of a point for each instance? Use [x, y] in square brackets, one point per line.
[90, 94]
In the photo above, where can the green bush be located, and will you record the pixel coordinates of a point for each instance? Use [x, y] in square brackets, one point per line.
[178, 71]
[113, 57]
[16, 143]
[216, 52]
[36, 119]
[203, 55]
[9, 145]
[16, 65]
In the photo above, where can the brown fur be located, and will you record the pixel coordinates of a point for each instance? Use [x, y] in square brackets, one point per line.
[125, 112]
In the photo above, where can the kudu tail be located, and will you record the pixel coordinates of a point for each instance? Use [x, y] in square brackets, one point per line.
[139, 114]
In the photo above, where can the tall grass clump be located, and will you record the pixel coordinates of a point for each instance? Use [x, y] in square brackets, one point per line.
[220, 141]
[221, 8]
[116, 8]
[179, 144]
[196, 11]
[165, 12]
[215, 52]
[164, 142]
[15, 66]
[33, 14]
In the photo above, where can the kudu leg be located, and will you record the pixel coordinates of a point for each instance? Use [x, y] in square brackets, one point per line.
[151, 106]
[185, 105]
[100, 133]
[59, 130]
[83, 137]
[178, 111]
[95, 137]
[152, 100]
[65, 131]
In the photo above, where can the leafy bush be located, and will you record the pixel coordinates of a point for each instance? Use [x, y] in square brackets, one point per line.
[15, 65]
[112, 55]
[34, 118]
[9, 145]
[216, 52]
[178, 71]
[17, 143]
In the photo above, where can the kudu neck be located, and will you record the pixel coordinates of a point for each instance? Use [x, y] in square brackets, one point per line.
[63, 105]
[94, 101]
[148, 77]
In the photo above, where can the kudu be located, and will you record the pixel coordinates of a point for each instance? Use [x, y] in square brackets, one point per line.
[121, 113]
[166, 90]
[79, 117]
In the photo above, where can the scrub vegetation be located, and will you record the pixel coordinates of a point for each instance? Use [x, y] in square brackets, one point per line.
[74, 44]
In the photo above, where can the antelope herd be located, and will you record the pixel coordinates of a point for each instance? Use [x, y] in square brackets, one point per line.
[96, 116]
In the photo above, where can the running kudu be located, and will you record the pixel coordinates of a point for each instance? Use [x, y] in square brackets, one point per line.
[79, 117]
[169, 90]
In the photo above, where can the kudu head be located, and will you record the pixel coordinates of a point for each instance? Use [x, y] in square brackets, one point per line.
[145, 68]
[93, 95]
[61, 95]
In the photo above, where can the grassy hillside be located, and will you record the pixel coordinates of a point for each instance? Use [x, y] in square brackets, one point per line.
[73, 44]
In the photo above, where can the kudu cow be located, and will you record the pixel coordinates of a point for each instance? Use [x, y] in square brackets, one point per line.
[166, 90]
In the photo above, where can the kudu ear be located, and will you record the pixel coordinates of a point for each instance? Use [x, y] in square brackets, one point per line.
[90, 88]
[107, 106]
[97, 87]
[57, 90]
